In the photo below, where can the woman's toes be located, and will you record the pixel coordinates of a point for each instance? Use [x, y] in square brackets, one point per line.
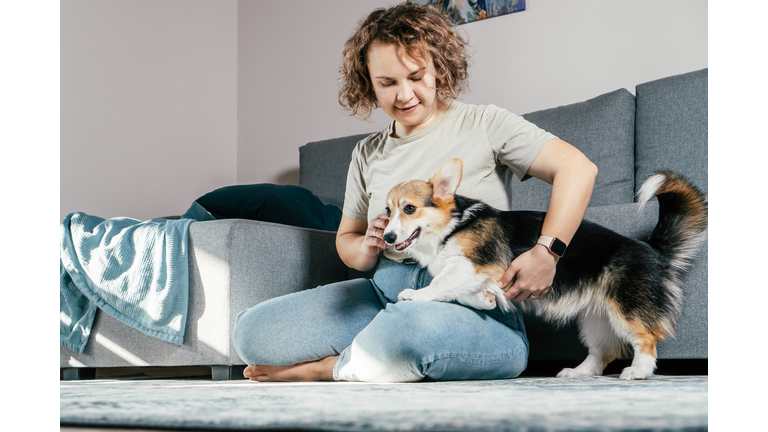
[249, 371]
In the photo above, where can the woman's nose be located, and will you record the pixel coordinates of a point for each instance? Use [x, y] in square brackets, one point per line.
[404, 92]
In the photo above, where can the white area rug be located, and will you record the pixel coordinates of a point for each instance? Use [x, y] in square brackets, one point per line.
[523, 404]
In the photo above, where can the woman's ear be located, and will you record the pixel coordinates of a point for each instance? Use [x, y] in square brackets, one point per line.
[446, 181]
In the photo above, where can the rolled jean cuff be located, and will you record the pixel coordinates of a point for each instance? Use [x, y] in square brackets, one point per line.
[339, 362]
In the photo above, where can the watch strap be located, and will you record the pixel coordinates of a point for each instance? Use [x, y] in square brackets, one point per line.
[554, 244]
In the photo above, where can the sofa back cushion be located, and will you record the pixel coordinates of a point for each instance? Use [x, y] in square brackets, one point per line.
[603, 128]
[672, 131]
[323, 167]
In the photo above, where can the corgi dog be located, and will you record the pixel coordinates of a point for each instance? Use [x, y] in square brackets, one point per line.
[622, 292]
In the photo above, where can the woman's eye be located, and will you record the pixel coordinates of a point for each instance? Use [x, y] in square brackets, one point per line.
[409, 209]
[416, 79]
[388, 84]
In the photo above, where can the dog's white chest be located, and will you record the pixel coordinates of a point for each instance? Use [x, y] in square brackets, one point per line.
[441, 259]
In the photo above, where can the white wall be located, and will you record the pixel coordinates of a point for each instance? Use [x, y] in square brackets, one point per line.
[148, 104]
[163, 101]
[559, 52]
[289, 62]
[555, 53]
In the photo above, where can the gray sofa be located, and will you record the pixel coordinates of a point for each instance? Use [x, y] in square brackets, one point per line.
[235, 264]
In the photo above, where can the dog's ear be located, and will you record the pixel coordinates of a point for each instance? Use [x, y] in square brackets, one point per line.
[446, 181]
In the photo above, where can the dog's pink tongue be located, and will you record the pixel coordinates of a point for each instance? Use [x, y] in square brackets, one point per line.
[406, 243]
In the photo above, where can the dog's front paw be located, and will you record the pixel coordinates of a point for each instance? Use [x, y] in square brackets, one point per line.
[574, 373]
[408, 294]
[635, 373]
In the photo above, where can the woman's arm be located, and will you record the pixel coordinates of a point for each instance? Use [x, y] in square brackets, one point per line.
[572, 177]
[359, 243]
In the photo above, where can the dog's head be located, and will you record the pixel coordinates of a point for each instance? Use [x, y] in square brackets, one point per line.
[420, 210]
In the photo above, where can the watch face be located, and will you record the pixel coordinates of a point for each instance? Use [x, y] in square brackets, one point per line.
[557, 247]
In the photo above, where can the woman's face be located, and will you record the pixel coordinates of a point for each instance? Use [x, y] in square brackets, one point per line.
[405, 88]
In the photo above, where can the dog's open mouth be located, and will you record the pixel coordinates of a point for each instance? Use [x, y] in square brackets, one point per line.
[401, 246]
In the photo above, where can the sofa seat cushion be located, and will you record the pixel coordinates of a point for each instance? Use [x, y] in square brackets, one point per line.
[603, 128]
[672, 127]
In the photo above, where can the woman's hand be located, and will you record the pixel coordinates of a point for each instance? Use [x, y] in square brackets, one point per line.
[531, 275]
[359, 242]
[373, 243]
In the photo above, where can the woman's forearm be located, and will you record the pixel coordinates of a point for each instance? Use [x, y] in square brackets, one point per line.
[572, 176]
[571, 191]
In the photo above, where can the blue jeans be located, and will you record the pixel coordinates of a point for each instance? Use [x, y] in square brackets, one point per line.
[379, 339]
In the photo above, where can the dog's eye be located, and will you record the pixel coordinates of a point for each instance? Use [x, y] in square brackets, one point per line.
[409, 209]
[389, 213]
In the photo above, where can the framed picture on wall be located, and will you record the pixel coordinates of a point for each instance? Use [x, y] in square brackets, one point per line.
[466, 11]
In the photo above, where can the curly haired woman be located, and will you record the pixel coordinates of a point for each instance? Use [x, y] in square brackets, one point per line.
[409, 61]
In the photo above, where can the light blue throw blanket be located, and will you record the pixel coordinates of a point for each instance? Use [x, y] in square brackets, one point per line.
[136, 271]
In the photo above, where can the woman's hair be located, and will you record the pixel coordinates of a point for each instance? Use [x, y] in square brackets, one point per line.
[422, 33]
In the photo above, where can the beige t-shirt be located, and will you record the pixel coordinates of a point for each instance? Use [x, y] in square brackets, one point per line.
[487, 139]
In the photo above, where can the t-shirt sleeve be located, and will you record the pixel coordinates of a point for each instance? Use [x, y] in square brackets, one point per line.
[355, 195]
[514, 140]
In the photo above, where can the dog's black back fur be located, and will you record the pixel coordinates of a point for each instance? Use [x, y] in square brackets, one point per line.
[639, 271]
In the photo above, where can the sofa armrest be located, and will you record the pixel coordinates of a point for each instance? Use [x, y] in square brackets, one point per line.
[233, 264]
[240, 263]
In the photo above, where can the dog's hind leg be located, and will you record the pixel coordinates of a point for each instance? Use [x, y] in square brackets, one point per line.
[603, 344]
[479, 300]
[644, 360]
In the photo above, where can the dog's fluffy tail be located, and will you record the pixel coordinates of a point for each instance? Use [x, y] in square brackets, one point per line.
[682, 217]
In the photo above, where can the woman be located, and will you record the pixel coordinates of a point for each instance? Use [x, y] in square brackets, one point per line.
[409, 61]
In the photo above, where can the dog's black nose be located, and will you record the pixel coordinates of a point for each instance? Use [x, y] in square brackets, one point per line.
[390, 237]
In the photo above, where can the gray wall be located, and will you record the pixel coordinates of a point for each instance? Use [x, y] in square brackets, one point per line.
[203, 94]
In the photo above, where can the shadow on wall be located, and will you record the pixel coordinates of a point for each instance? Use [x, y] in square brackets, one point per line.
[289, 177]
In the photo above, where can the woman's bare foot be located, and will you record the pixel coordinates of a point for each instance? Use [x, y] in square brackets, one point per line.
[320, 370]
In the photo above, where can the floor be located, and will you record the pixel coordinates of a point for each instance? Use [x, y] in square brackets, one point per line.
[150, 402]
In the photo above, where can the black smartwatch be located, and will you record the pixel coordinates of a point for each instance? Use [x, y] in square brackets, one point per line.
[554, 244]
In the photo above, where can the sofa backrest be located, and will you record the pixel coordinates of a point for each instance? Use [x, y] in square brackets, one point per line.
[323, 167]
[671, 127]
[603, 128]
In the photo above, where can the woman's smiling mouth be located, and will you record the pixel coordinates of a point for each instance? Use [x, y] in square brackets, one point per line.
[408, 109]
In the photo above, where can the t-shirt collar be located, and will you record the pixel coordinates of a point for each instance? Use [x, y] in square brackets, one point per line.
[420, 133]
